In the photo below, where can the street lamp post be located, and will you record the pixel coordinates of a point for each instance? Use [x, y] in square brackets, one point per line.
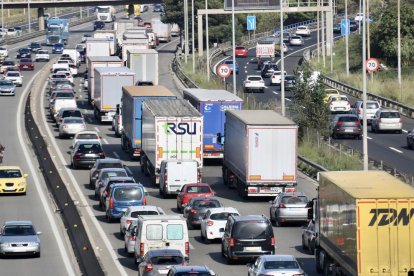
[364, 91]
[207, 45]
[234, 46]
[399, 45]
[2, 15]
[346, 38]
[282, 63]
[28, 13]
[192, 34]
[186, 30]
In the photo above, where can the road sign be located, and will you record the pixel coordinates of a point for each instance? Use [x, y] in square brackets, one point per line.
[345, 27]
[243, 5]
[251, 22]
[223, 71]
[372, 64]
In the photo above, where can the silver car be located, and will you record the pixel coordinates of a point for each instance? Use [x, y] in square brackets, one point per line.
[19, 238]
[159, 262]
[275, 265]
[296, 40]
[129, 238]
[289, 207]
[386, 120]
[70, 126]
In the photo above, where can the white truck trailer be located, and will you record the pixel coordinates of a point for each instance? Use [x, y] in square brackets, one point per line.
[161, 30]
[110, 35]
[144, 62]
[97, 47]
[260, 153]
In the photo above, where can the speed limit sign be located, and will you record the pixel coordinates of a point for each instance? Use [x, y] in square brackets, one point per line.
[372, 64]
[223, 71]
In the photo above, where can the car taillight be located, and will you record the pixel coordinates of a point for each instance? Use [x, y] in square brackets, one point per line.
[210, 223]
[119, 119]
[187, 248]
[129, 221]
[166, 178]
[358, 123]
[111, 203]
[339, 123]
[281, 205]
[141, 248]
[148, 267]
[101, 154]
[106, 192]
[132, 238]
[231, 241]
[193, 211]
[144, 201]
[273, 241]
[78, 154]
[100, 183]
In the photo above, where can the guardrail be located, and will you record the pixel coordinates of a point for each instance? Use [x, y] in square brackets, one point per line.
[180, 73]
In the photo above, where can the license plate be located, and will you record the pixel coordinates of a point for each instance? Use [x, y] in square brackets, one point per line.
[9, 189]
[271, 189]
[349, 130]
[162, 271]
[252, 249]
[339, 108]
[89, 155]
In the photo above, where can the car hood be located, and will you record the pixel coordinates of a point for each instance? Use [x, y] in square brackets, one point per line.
[6, 86]
[10, 239]
[12, 180]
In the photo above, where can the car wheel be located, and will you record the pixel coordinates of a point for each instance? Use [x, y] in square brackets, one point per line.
[74, 166]
[37, 255]
[108, 218]
[125, 249]
[334, 136]
[190, 226]
[136, 259]
[303, 243]
[222, 251]
[373, 129]
[399, 131]
[277, 222]
[358, 137]
[311, 248]
[178, 208]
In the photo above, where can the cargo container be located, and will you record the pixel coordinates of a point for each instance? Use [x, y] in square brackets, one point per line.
[136, 42]
[364, 224]
[171, 129]
[108, 90]
[144, 62]
[121, 25]
[131, 111]
[100, 61]
[161, 30]
[260, 153]
[265, 49]
[110, 35]
[98, 47]
[213, 105]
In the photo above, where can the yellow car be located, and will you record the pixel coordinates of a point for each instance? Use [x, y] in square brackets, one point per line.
[12, 180]
[330, 92]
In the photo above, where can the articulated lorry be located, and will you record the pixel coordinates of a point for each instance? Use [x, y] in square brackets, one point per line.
[131, 111]
[171, 129]
[120, 26]
[364, 224]
[213, 104]
[108, 82]
[57, 31]
[97, 47]
[110, 35]
[144, 62]
[260, 153]
[161, 30]
[95, 62]
[265, 49]
[105, 13]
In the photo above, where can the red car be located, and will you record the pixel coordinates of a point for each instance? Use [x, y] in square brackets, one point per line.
[241, 51]
[148, 25]
[189, 191]
[26, 64]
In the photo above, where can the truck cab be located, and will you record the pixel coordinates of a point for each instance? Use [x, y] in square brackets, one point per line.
[174, 174]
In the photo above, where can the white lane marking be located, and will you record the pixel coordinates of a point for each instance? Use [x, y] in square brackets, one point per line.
[275, 92]
[245, 67]
[266, 87]
[288, 99]
[369, 138]
[97, 129]
[128, 170]
[192, 247]
[247, 63]
[245, 71]
[56, 233]
[82, 198]
[116, 154]
[405, 131]
[394, 149]
[105, 141]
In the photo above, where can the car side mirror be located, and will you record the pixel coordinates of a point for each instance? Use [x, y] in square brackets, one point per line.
[249, 265]
[38, 233]
[409, 132]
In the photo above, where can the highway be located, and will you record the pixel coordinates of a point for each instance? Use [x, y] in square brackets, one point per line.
[288, 239]
[389, 147]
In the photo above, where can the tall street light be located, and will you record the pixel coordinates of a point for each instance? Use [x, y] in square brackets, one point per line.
[282, 63]
[2, 15]
[28, 9]
[192, 34]
[399, 45]
[234, 46]
[364, 91]
[186, 30]
[346, 38]
[207, 44]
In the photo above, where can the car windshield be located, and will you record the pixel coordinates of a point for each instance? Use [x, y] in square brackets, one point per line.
[127, 194]
[113, 174]
[25, 60]
[240, 48]
[280, 265]
[43, 52]
[143, 213]
[90, 147]
[6, 82]
[13, 74]
[73, 120]
[294, 199]
[302, 28]
[35, 45]
[228, 62]
[370, 105]
[389, 115]
[348, 119]
[72, 113]
[198, 189]
[167, 260]
[87, 136]
[222, 216]
[19, 230]
[255, 78]
[64, 95]
[7, 62]
[251, 229]
[206, 204]
[10, 173]
[192, 273]
[110, 165]
[58, 45]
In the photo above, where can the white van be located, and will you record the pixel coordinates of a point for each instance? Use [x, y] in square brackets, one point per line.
[60, 103]
[174, 174]
[161, 232]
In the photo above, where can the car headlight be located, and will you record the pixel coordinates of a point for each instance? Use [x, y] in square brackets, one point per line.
[5, 244]
[21, 184]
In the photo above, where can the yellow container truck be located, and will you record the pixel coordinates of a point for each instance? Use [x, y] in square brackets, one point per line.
[364, 223]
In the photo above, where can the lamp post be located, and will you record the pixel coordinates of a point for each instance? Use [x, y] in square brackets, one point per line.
[234, 46]
[2, 15]
[399, 45]
[207, 45]
[364, 92]
[186, 30]
[346, 38]
[282, 62]
[28, 13]
[192, 34]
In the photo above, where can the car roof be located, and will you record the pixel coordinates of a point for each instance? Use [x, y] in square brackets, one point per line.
[278, 258]
[223, 209]
[191, 268]
[18, 222]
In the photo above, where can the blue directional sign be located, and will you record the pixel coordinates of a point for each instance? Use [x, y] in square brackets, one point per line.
[345, 27]
[251, 22]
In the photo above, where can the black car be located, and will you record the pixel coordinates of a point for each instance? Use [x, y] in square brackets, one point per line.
[353, 26]
[268, 69]
[193, 270]
[103, 164]
[158, 8]
[337, 28]
[197, 208]
[24, 53]
[98, 25]
[247, 237]
[35, 46]
[86, 153]
[290, 82]
[410, 139]
[345, 125]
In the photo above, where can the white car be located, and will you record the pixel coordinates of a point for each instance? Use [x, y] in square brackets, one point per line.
[213, 223]
[70, 126]
[276, 78]
[15, 77]
[4, 52]
[296, 40]
[253, 83]
[86, 135]
[42, 55]
[339, 103]
[359, 17]
[129, 238]
[303, 31]
[131, 214]
[11, 32]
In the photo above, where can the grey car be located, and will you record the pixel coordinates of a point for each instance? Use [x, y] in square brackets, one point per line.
[345, 125]
[275, 265]
[7, 87]
[101, 164]
[19, 238]
[197, 208]
[159, 262]
[105, 174]
[289, 207]
[70, 126]
[309, 238]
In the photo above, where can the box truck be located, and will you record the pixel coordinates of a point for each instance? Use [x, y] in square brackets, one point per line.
[74, 55]
[110, 35]
[131, 111]
[121, 25]
[108, 82]
[99, 61]
[134, 42]
[97, 47]
[171, 129]
[144, 62]
[161, 30]
[260, 153]
[364, 224]
[213, 105]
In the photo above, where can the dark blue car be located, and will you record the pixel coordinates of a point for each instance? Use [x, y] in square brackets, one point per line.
[58, 48]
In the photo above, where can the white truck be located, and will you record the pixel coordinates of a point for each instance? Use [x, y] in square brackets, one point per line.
[174, 174]
[97, 47]
[175, 30]
[265, 49]
[171, 130]
[121, 25]
[161, 30]
[133, 42]
[99, 61]
[260, 153]
[110, 35]
[144, 63]
[74, 55]
[105, 13]
[108, 82]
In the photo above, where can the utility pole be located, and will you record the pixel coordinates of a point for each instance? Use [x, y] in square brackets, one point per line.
[318, 48]
[192, 34]
[366, 16]
[207, 44]
[323, 38]
[282, 63]
[364, 91]
[399, 45]
[347, 38]
[186, 50]
[330, 30]
[234, 46]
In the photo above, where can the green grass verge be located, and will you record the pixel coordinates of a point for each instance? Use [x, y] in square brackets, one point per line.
[384, 83]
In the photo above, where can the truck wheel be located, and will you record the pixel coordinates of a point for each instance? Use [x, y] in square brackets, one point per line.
[326, 266]
[225, 182]
[123, 143]
[318, 266]
[162, 194]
